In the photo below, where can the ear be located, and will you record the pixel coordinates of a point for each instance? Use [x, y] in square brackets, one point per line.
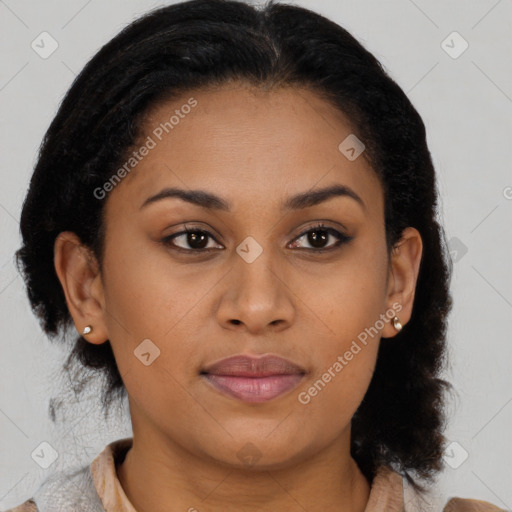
[79, 276]
[402, 278]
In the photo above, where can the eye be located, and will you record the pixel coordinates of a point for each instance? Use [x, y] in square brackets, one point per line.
[195, 238]
[319, 235]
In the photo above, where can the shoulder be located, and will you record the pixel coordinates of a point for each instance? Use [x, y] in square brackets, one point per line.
[79, 488]
[28, 506]
[391, 492]
[69, 490]
[414, 501]
[65, 490]
[470, 505]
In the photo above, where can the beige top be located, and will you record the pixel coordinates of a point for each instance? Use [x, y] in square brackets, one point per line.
[386, 494]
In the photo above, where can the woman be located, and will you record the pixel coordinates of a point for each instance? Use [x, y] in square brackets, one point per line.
[236, 210]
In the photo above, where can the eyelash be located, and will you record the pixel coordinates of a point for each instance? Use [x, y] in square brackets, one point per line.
[342, 239]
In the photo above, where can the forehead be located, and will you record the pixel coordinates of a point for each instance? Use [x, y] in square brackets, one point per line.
[240, 141]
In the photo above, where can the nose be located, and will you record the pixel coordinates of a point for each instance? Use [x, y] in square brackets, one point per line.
[256, 296]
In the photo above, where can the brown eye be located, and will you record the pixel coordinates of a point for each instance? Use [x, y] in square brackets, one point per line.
[194, 240]
[197, 240]
[318, 236]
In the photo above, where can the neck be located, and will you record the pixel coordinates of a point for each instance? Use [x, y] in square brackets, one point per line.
[159, 475]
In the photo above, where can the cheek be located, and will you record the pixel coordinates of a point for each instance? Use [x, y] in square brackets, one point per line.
[145, 292]
[353, 300]
[345, 366]
[346, 347]
[148, 311]
[329, 403]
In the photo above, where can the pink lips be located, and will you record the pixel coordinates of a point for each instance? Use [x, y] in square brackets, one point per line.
[254, 379]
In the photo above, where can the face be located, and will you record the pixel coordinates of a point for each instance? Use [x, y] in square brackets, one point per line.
[305, 280]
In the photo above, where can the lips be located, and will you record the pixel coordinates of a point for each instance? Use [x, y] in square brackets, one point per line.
[254, 379]
[249, 366]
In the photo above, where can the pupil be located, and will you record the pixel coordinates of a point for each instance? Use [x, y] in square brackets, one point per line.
[193, 239]
[316, 238]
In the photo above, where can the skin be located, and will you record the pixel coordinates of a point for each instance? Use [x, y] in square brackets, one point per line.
[253, 148]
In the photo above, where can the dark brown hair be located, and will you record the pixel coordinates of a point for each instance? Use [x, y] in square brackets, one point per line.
[201, 43]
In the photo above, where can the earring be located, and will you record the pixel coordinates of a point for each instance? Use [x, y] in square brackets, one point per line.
[396, 323]
[87, 329]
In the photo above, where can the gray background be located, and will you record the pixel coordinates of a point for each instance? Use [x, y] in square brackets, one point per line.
[466, 104]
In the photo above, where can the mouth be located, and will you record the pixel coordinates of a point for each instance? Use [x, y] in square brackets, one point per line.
[254, 379]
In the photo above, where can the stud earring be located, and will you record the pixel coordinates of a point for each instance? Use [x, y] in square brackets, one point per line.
[396, 323]
[87, 329]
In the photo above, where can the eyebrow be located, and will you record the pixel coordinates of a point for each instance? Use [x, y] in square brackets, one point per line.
[211, 201]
